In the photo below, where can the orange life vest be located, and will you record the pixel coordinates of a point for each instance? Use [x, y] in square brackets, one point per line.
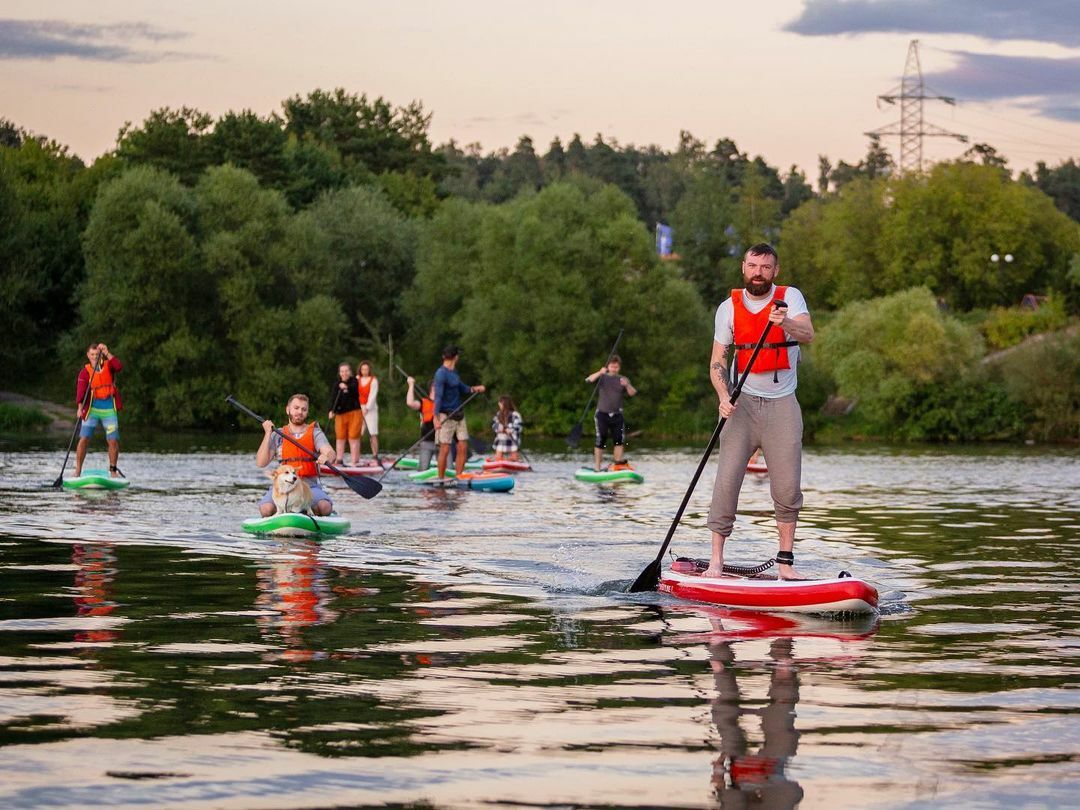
[747, 328]
[365, 390]
[427, 411]
[101, 381]
[295, 457]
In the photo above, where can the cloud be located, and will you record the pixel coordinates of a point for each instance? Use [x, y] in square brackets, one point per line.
[1040, 20]
[23, 40]
[1053, 84]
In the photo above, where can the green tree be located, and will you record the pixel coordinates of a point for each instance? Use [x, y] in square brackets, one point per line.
[361, 253]
[943, 227]
[172, 140]
[554, 275]
[250, 142]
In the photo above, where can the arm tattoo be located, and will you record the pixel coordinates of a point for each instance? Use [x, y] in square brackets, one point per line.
[721, 375]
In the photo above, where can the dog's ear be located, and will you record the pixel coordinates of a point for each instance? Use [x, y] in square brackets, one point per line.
[271, 474]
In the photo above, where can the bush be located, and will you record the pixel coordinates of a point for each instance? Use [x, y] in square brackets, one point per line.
[1005, 327]
[1045, 377]
[14, 418]
[886, 351]
[971, 408]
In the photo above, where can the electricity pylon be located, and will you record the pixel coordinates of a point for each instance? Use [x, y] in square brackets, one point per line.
[912, 128]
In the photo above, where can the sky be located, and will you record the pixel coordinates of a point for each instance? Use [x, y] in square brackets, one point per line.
[785, 79]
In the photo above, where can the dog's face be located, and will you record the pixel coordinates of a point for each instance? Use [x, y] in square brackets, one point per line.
[286, 477]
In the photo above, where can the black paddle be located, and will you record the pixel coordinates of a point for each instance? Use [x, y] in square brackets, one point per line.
[423, 438]
[364, 487]
[649, 578]
[574, 436]
[78, 423]
[475, 444]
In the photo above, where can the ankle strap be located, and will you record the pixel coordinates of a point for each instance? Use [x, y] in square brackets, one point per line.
[785, 558]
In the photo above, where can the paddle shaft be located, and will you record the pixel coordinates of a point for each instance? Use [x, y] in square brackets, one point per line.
[425, 437]
[78, 422]
[652, 571]
[361, 486]
[576, 430]
[475, 444]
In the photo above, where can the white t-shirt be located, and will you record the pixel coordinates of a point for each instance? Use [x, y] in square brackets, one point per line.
[760, 384]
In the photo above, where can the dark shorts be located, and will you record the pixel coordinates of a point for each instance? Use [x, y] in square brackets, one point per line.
[609, 424]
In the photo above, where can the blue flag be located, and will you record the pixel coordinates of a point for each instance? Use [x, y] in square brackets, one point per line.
[664, 239]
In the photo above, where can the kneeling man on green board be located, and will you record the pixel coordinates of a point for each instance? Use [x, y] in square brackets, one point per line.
[767, 414]
[98, 402]
[311, 437]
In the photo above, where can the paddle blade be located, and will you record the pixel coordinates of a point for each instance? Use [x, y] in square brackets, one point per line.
[648, 579]
[574, 437]
[364, 487]
[59, 482]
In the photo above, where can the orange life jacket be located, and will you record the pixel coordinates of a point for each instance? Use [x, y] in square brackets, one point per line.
[748, 326]
[365, 390]
[295, 457]
[427, 410]
[101, 381]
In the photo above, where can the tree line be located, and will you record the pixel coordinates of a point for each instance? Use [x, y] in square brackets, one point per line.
[250, 253]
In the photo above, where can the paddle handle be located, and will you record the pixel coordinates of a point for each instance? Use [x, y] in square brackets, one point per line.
[713, 440]
[242, 407]
[596, 387]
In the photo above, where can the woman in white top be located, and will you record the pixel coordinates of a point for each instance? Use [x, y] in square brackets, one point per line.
[368, 384]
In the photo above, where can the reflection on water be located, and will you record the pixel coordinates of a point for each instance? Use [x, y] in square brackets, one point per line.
[467, 649]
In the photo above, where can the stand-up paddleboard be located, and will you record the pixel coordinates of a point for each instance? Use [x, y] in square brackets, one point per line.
[505, 465]
[844, 594]
[483, 481]
[757, 469]
[95, 479]
[409, 463]
[626, 475]
[367, 468]
[294, 524]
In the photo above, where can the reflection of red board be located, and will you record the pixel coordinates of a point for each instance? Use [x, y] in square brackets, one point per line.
[370, 468]
[840, 595]
[505, 465]
[732, 624]
[760, 469]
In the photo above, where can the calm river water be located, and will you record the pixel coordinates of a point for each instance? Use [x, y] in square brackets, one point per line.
[464, 649]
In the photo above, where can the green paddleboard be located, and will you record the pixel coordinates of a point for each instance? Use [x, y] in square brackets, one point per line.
[294, 524]
[609, 476]
[95, 479]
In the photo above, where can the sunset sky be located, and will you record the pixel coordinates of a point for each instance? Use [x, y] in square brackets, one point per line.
[786, 79]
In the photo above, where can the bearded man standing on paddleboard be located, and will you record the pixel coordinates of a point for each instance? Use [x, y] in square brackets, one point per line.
[767, 414]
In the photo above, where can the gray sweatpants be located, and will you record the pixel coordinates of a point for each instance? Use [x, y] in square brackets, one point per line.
[774, 425]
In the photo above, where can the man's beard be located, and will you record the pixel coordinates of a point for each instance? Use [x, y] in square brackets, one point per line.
[755, 287]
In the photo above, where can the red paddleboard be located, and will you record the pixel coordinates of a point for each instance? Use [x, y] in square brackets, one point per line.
[505, 465]
[366, 468]
[840, 595]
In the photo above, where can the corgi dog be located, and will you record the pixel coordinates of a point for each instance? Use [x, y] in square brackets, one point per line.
[291, 493]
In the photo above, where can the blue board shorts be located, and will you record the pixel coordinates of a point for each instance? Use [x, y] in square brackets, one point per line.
[317, 493]
[102, 412]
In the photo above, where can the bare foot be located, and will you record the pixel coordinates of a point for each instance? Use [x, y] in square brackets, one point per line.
[717, 571]
[788, 572]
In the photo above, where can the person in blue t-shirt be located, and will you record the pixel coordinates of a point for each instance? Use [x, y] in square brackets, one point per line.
[449, 416]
